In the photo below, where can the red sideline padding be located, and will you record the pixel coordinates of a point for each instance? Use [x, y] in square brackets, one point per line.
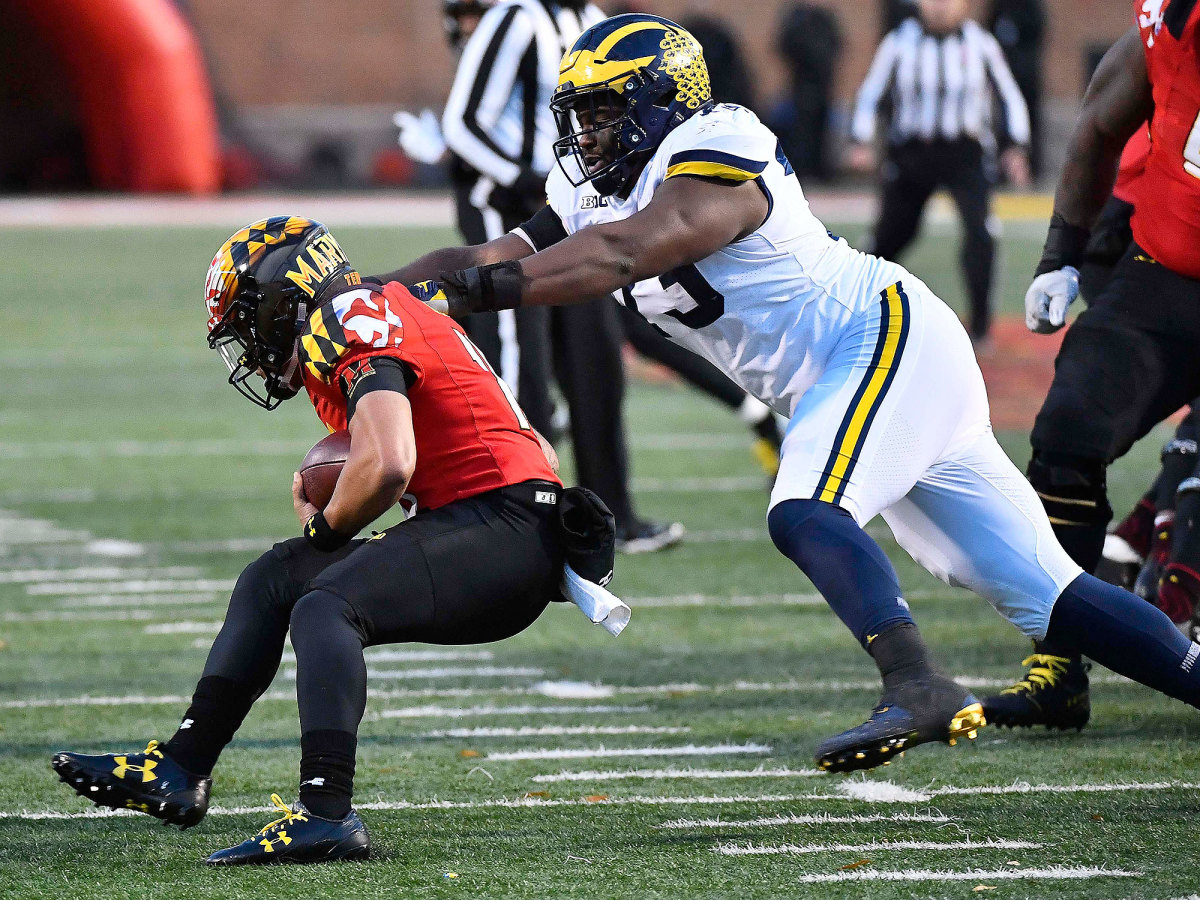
[145, 103]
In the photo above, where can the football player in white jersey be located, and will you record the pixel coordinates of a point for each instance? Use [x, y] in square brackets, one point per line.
[690, 213]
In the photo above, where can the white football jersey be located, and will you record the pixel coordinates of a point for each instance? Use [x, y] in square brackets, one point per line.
[767, 309]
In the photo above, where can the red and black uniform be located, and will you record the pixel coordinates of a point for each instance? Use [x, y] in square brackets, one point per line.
[1130, 360]
[478, 561]
[471, 435]
[1112, 233]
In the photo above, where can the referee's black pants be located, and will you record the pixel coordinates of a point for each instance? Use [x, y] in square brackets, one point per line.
[912, 171]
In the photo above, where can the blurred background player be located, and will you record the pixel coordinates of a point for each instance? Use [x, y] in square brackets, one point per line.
[938, 70]
[1129, 361]
[1020, 28]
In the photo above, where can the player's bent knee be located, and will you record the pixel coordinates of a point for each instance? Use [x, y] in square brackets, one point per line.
[799, 528]
[317, 615]
[265, 584]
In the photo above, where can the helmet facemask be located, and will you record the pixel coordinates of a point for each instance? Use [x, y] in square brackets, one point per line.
[258, 336]
[598, 120]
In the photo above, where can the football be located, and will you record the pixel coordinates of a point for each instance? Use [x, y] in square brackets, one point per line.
[322, 466]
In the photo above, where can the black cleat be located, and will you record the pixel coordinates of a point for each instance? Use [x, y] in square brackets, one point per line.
[927, 708]
[1054, 693]
[148, 782]
[298, 836]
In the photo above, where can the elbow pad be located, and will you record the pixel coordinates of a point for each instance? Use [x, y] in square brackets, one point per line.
[482, 288]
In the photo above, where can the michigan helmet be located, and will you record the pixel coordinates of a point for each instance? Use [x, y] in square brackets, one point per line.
[648, 68]
[260, 287]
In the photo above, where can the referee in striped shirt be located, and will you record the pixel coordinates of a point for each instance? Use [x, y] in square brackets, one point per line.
[499, 129]
[938, 72]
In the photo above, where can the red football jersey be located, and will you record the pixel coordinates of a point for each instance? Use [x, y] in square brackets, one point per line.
[471, 434]
[1166, 218]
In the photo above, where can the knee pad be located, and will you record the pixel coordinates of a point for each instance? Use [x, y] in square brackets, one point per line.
[1073, 489]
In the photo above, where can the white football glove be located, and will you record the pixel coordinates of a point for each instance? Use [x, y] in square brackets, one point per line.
[420, 137]
[1048, 297]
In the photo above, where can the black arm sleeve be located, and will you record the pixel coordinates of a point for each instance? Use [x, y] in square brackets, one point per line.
[375, 373]
[545, 229]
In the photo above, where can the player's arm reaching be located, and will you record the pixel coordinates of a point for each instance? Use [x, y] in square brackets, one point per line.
[688, 219]
[1118, 100]
[451, 259]
[383, 454]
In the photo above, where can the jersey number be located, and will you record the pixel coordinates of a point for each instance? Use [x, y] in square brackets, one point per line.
[710, 303]
[1191, 150]
[479, 358]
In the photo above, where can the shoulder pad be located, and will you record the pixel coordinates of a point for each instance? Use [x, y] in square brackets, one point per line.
[350, 322]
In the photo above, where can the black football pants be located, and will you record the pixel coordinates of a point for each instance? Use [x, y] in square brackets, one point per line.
[912, 171]
[473, 571]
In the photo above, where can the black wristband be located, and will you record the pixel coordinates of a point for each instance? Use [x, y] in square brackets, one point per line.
[1064, 245]
[321, 535]
[483, 288]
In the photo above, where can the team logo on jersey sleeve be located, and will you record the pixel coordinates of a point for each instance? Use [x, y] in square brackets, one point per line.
[355, 319]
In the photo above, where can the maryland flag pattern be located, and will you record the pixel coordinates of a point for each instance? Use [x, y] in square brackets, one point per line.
[244, 248]
[351, 322]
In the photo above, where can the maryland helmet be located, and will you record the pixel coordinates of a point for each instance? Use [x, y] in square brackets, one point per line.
[648, 67]
[260, 287]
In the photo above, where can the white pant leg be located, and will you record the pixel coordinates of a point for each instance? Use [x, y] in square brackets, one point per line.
[861, 440]
[974, 521]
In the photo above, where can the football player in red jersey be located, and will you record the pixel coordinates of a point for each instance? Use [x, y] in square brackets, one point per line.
[478, 561]
[1129, 361]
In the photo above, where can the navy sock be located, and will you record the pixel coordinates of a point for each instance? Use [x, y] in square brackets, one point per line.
[1128, 635]
[849, 569]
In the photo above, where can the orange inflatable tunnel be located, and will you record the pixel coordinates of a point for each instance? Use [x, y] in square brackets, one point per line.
[144, 100]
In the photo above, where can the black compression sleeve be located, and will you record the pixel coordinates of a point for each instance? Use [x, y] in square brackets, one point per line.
[545, 229]
[375, 373]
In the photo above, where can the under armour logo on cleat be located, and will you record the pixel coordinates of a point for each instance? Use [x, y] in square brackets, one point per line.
[315, 782]
[268, 843]
[186, 723]
[123, 766]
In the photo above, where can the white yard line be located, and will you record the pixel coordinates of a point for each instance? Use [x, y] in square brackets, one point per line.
[131, 586]
[977, 875]
[141, 601]
[675, 773]
[519, 803]
[186, 627]
[95, 573]
[553, 730]
[1092, 788]
[444, 672]
[814, 819]
[685, 600]
[550, 689]
[872, 847]
[392, 656]
[607, 752]
[525, 709]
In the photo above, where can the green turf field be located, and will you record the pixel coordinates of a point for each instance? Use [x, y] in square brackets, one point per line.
[135, 485]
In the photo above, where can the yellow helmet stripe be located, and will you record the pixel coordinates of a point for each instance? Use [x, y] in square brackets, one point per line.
[585, 70]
